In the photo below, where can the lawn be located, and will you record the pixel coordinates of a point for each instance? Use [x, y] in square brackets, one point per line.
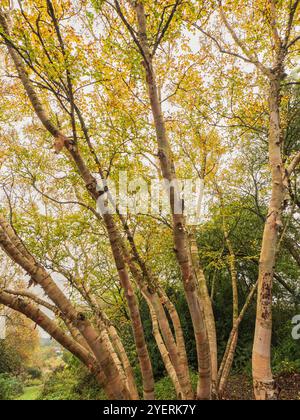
[30, 393]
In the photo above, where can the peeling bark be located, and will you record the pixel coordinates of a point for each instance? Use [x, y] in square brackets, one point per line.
[208, 312]
[44, 279]
[36, 315]
[228, 357]
[179, 228]
[264, 385]
[91, 184]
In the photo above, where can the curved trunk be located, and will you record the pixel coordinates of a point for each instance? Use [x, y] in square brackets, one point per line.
[62, 141]
[34, 298]
[226, 368]
[171, 346]
[36, 315]
[157, 310]
[40, 276]
[119, 348]
[164, 352]
[183, 371]
[228, 357]
[208, 312]
[233, 340]
[149, 285]
[137, 326]
[114, 342]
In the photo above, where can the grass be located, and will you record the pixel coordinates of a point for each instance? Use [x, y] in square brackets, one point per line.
[30, 393]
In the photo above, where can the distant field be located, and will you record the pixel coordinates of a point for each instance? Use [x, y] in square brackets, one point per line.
[30, 393]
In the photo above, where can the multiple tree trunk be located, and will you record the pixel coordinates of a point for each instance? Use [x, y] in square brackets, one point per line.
[265, 387]
[96, 342]
[180, 232]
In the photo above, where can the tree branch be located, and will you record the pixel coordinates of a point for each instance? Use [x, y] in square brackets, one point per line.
[276, 36]
[166, 27]
[79, 203]
[253, 59]
[131, 31]
[219, 45]
[34, 298]
[37, 316]
[293, 165]
[290, 23]
[293, 42]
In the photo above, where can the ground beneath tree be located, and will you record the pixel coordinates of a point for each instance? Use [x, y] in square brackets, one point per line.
[240, 387]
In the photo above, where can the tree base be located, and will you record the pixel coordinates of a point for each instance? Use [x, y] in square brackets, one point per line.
[266, 390]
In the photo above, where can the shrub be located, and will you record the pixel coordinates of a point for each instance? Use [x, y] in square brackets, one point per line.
[72, 382]
[164, 389]
[10, 387]
[287, 366]
[58, 386]
[10, 361]
[34, 373]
